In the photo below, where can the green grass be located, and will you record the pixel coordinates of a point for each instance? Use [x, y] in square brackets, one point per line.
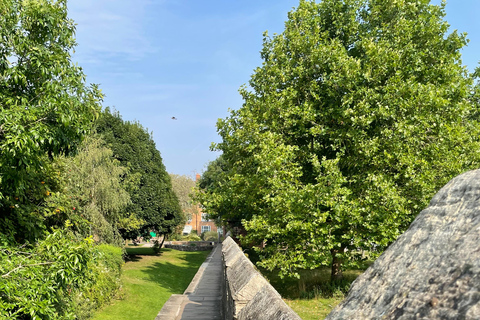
[149, 280]
[313, 309]
[141, 251]
[312, 296]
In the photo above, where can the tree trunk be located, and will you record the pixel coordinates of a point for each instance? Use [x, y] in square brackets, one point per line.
[163, 240]
[336, 265]
[157, 246]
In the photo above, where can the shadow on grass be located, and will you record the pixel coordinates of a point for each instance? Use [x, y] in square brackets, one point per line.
[173, 276]
[134, 254]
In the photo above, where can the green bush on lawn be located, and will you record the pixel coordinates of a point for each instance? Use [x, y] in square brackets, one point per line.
[210, 236]
[60, 277]
[105, 281]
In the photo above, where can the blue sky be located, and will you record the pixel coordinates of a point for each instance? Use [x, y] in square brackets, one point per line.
[158, 59]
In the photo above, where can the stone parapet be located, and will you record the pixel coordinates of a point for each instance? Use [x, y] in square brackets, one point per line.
[246, 294]
[189, 245]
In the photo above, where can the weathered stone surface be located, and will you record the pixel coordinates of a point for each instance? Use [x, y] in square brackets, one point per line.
[171, 308]
[244, 286]
[243, 279]
[267, 304]
[432, 271]
[231, 252]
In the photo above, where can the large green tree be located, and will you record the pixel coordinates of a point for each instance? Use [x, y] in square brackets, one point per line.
[45, 106]
[359, 113]
[219, 198]
[183, 187]
[152, 197]
[93, 193]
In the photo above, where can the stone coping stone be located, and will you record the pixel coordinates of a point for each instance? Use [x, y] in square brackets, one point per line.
[244, 280]
[171, 308]
[231, 253]
[267, 304]
[432, 271]
[247, 288]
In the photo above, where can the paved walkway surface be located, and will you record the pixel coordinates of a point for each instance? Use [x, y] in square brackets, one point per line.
[203, 298]
[205, 302]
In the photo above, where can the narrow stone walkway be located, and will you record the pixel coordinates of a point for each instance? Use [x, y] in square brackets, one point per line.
[205, 302]
[203, 298]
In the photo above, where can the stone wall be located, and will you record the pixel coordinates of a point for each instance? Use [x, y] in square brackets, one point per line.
[246, 293]
[189, 245]
[432, 271]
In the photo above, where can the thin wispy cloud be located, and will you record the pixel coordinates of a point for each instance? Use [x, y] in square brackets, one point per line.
[158, 59]
[113, 29]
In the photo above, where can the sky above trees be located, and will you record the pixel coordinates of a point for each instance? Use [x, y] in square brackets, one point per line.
[157, 59]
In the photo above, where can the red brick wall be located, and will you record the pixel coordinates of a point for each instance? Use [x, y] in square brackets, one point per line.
[197, 222]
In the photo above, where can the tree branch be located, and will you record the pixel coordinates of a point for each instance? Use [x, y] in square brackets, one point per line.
[25, 266]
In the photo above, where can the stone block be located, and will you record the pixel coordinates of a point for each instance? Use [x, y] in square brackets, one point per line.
[231, 254]
[267, 305]
[171, 308]
[432, 271]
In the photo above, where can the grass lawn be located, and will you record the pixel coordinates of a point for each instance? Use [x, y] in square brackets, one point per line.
[313, 309]
[149, 280]
[312, 296]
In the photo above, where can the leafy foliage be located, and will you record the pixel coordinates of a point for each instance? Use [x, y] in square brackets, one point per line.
[106, 274]
[210, 236]
[45, 106]
[218, 197]
[93, 196]
[359, 113]
[153, 200]
[183, 187]
[44, 281]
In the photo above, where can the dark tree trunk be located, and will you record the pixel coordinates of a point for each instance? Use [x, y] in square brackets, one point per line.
[163, 240]
[157, 246]
[336, 265]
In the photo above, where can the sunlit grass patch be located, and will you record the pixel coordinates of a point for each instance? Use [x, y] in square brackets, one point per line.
[313, 309]
[313, 296]
[149, 280]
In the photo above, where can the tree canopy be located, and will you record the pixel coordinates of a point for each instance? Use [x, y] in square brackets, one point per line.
[152, 196]
[93, 193]
[360, 112]
[46, 107]
[183, 187]
[50, 267]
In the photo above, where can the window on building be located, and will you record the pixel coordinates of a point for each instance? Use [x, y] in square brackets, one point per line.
[206, 228]
[204, 217]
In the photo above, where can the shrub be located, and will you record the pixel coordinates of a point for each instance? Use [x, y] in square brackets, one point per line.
[192, 237]
[175, 237]
[38, 281]
[210, 236]
[61, 277]
[105, 281]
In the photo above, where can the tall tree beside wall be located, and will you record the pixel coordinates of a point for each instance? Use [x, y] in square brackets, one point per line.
[218, 195]
[46, 108]
[153, 199]
[359, 113]
[183, 187]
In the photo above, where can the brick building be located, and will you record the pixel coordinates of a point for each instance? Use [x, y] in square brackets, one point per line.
[199, 222]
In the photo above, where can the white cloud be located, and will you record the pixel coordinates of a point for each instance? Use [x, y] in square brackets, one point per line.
[110, 29]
